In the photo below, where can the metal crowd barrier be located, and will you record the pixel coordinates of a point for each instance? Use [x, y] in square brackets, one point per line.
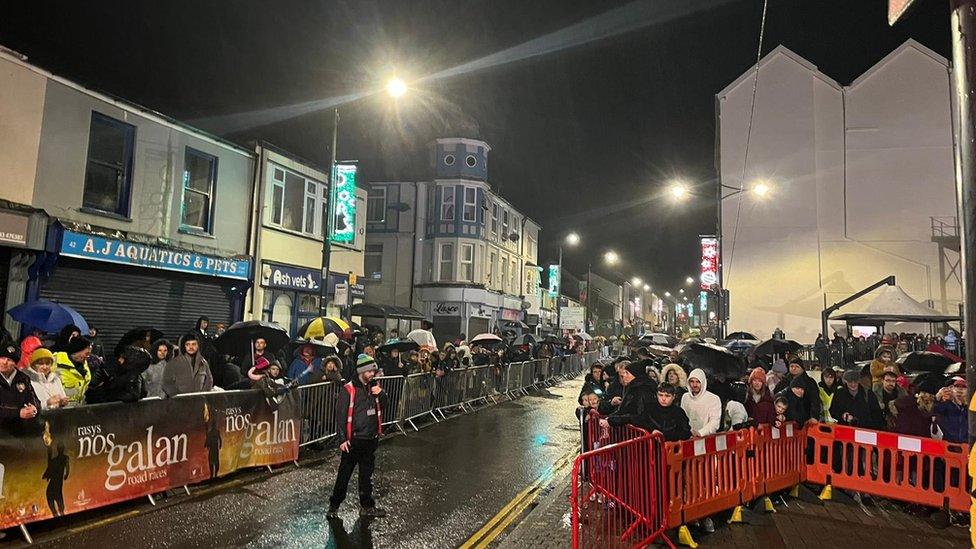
[450, 392]
[393, 387]
[479, 385]
[419, 398]
[318, 412]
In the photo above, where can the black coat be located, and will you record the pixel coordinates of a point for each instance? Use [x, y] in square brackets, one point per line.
[863, 406]
[14, 396]
[798, 409]
[672, 421]
[811, 393]
[638, 398]
[364, 420]
[116, 383]
[590, 385]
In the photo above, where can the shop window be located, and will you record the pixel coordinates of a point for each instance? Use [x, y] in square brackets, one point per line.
[447, 204]
[373, 261]
[470, 212]
[199, 182]
[297, 203]
[446, 270]
[466, 260]
[376, 205]
[108, 173]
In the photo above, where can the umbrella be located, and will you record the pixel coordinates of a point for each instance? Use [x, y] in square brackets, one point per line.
[584, 336]
[321, 349]
[527, 339]
[402, 345]
[777, 347]
[515, 324]
[137, 334]
[718, 362]
[241, 336]
[741, 335]
[659, 350]
[319, 326]
[924, 361]
[48, 316]
[423, 338]
[553, 340]
[930, 382]
[485, 338]
[955, 368]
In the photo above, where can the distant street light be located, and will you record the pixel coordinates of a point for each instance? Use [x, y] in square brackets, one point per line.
[396, 88]
[611, 257]
[636, 281]
[689, 281]
[760, 189]
[667, 294]
[681, 291]
[678, 190]
[647, 288]
[572, 239]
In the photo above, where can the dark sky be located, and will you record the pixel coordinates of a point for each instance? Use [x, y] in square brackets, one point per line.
[583, 139]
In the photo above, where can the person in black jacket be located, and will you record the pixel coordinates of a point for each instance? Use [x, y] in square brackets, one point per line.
[358, 428]
[799, 409]
[639, 396]
[594, 383]
[667, 418]
[855, 405]
[811, 391]
[19, 404]
[120, 380]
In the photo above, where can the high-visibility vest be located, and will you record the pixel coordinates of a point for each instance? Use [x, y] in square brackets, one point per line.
[351, 389]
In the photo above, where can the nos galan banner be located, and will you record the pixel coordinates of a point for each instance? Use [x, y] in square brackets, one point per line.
[76, 459]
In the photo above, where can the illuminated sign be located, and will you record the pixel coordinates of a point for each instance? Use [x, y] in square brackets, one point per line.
[703, 300]
[342, 204]
[554, 280]
[709, 262]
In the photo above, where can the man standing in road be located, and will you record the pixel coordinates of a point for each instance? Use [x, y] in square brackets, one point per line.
[359, 424]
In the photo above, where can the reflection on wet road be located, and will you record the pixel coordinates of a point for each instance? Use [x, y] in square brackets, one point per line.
[439, 486]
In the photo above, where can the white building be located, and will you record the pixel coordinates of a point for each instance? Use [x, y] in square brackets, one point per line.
[451, 248]
[862, 180]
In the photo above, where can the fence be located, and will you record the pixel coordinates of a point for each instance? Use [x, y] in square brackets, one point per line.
[709, 475]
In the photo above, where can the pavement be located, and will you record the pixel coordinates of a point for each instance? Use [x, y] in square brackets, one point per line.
[441, 486]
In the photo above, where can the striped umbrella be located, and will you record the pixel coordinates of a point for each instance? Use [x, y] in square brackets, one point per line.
[320, 326]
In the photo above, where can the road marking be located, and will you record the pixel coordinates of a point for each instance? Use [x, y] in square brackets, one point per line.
[513, 509]
[104, 521]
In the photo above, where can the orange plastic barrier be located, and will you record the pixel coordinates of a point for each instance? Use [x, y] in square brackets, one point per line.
[708, 475]
[779, 461]
[911, 469]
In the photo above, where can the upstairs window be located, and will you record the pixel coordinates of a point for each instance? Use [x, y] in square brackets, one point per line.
[108, 173]
[296, 202]
[466, 261]
[376, 205]
[199, 182]
[470, 204]
[373, 261]
[447, 204]
[446, 261]
[494, 220]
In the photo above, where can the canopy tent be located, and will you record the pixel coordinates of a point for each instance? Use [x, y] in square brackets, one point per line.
[894, 305]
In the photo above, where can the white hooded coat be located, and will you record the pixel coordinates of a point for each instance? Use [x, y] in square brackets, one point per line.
[704, 409]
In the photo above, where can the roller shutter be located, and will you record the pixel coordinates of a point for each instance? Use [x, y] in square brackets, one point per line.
[118, 298]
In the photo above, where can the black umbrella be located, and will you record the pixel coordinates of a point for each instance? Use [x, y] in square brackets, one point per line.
[527, 339]
[137, 334]
[321, 349]
[402, 345]
[554, 340]
[777, 347]
[239, 338]
[740, 335]
[718, 363]
[924, 361]
[930, 382]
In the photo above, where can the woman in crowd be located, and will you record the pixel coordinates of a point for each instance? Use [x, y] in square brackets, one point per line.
[162, 351]
[46, 383]
[759, 399]
[305, 363]
[829, 382]
[674, 375]
[74, 369]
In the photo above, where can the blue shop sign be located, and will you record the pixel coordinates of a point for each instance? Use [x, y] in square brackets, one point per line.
[290, 278]
[89, 246]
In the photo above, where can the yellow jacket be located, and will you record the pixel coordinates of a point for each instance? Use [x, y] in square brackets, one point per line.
[74, 383]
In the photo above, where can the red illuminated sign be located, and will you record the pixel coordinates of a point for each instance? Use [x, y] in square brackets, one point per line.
[709, 262]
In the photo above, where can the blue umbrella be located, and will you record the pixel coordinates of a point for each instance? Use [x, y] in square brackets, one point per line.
[48, 316]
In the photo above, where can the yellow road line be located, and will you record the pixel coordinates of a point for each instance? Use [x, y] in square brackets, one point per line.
[104, 521]
[513, 509]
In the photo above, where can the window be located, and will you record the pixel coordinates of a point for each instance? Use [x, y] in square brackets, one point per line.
[471, 161]
[490, 269]
[514, 274]
[531, 247]
[373, 261]
[494, 220]
[505, 232]
[297, 203]
[449, 160]
[466, 259]
[470, 212]
[446, 271]
[199, 179]
[504, 280]
[447, 204]
[108, 174]
[376, 205]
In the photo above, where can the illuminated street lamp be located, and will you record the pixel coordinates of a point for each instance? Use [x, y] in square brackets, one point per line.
[647, 288]
[396, 88]
[678, 190]
[667, 294]
[689, 281]
[611, 257]
[681, 291]
[636, 281]
[572, 239]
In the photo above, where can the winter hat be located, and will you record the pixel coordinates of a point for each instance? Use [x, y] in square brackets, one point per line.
[11, 352]
[77, 344]
[365, 363]
[40, 354]
[884, 349]
[637, 369]
[261, 363]
[757, 373]
[136, 358]
[850, 376]
[779, 367]
[798, 381]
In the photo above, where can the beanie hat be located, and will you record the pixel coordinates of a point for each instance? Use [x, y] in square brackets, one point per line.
[11, 352]
[40, 354]
[637, 369]
[757, 373]
[779, 366]
[77, 344]
[365, 363]
[850, 376]
[798, 381]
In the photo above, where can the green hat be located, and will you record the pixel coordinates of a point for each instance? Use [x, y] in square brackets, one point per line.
[365, 363]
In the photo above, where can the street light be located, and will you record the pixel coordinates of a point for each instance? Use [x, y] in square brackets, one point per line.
[678, 190]
[647, 288]
[667, 294]
[681, 291]
[636, 281]
[572, 239]
[396, 88]
[689, 281]
[760, 189]
[611, 257]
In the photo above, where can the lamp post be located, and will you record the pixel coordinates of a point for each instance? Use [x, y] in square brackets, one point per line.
[610, 258]
[571, 239]
[395, 88]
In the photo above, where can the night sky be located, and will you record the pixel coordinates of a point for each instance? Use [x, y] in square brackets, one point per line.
[582, 139]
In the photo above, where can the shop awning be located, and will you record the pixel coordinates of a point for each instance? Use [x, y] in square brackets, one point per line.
[377, 310]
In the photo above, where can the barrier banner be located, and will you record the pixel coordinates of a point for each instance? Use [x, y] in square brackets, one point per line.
[77, 459]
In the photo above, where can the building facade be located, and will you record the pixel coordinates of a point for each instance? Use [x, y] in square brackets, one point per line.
[288, 224]
[861, 178]
[452, 248]
[146, 214]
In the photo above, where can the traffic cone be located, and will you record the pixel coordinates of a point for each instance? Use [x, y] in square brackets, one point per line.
[827, 493]
[684, 537]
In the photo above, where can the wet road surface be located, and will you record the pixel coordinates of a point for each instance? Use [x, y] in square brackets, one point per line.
[439, 486]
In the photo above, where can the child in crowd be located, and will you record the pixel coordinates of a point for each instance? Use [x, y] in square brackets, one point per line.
[781, 406]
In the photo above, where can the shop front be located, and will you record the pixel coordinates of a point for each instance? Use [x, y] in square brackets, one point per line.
[21, 239]
[469, 311]
[121, 283]
[290, 294]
